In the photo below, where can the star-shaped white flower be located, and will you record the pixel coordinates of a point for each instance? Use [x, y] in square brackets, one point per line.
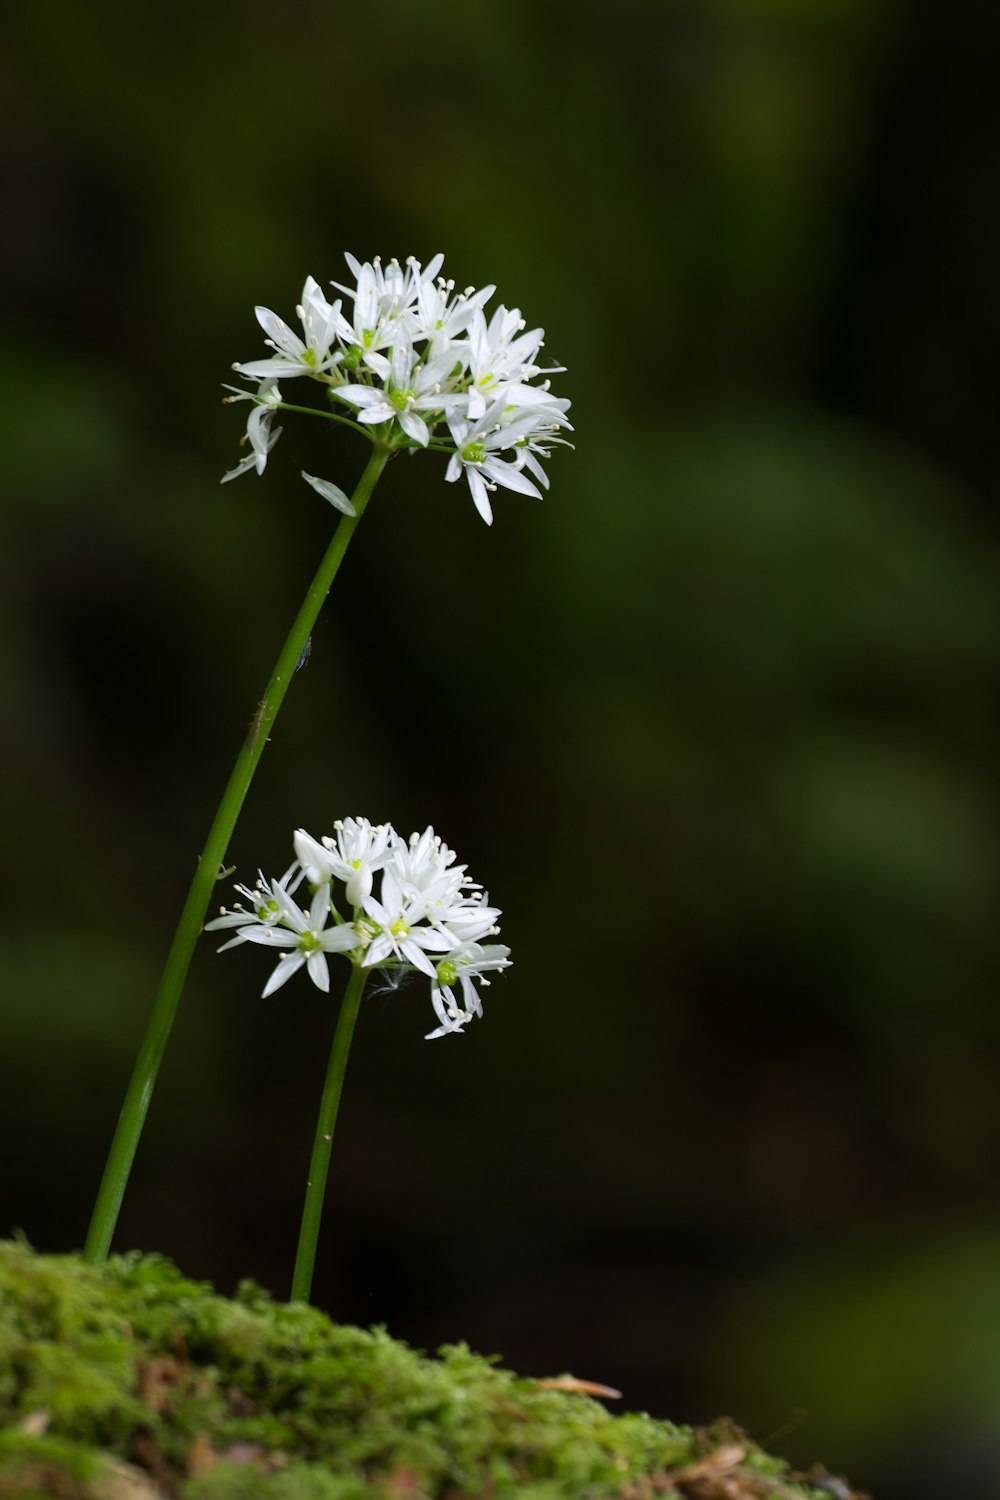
[359, 850]
[500, 352]
[266, 401]
[423, 861]
[463, 965]
[387, 293]
[305, 934]
[401, 935]
[381, 313]
[267, 900]
[411, 387]
[315, 354]
[442, 317]
[478, 447]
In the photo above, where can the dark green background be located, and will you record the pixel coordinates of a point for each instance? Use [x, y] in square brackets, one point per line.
[716, 721]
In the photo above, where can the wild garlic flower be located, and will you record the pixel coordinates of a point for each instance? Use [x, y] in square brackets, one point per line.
[304, 933]
[427, 915]
[356, 852]
[313, 354]
[462, 966]
[411, 388]
[414, 364]
[266, 401]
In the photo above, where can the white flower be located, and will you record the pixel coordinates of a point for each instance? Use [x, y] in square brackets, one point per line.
[429, 915]
[400, 936]
[359, 850]
[315, 355]
[410, 356]
[499, 353]
[386, 294]
[442, 318]
[411, 387]
[266, 400]
[267, 898]
[464, 964]
[306, 935]
[478, 446]
[468, 919]
[539, 440]
[422, 861]
[381, 314]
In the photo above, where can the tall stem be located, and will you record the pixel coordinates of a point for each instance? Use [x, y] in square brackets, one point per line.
[140, 1089]
[319, 1163]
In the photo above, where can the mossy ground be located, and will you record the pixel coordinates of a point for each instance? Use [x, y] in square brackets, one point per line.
[132, 1382]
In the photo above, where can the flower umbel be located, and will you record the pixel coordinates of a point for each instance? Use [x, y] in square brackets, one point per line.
[428, 915]
[411, 363]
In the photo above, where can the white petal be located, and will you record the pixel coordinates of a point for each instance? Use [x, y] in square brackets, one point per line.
[228, 919]
[283, 973]
[278, 368]
[241, 937]
[480, 494]
[319, 909]
[243, 467]
[379, 364]
[313, 858]
[280, 332]
[433, 939]
[415, 427]
[319, 971]
[378, 952]
[361, 395]
[510, 476]
[270, 937]
[339, 939]
[359, 887]
[416, 956]
[392, 895]
[377, 911]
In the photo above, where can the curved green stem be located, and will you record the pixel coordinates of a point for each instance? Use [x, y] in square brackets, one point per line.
[140, 1089]
[319, 1162]
[328, 416]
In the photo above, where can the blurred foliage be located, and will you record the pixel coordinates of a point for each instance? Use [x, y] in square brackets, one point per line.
[716, 722]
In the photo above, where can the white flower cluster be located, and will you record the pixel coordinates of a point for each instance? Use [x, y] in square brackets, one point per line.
[427, 905]
[421, 366]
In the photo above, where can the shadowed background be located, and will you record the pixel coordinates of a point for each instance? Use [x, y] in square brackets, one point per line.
[716, 722]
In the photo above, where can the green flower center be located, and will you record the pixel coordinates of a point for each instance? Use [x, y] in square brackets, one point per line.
[399, 929]
[474, 452]
[400, 399]
[447, 972]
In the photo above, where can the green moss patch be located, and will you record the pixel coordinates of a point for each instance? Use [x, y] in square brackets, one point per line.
[132, 1382]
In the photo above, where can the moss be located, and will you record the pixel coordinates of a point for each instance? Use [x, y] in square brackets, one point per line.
[218, 1399]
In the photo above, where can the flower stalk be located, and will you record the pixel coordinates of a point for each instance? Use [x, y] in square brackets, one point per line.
[140, 1089]
[319, 1163]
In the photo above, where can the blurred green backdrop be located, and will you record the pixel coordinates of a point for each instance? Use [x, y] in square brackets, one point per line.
[716, 722]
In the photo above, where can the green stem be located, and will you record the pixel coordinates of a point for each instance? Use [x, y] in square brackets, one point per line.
[140, 1089]
[328, 416]
[319, 1163]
